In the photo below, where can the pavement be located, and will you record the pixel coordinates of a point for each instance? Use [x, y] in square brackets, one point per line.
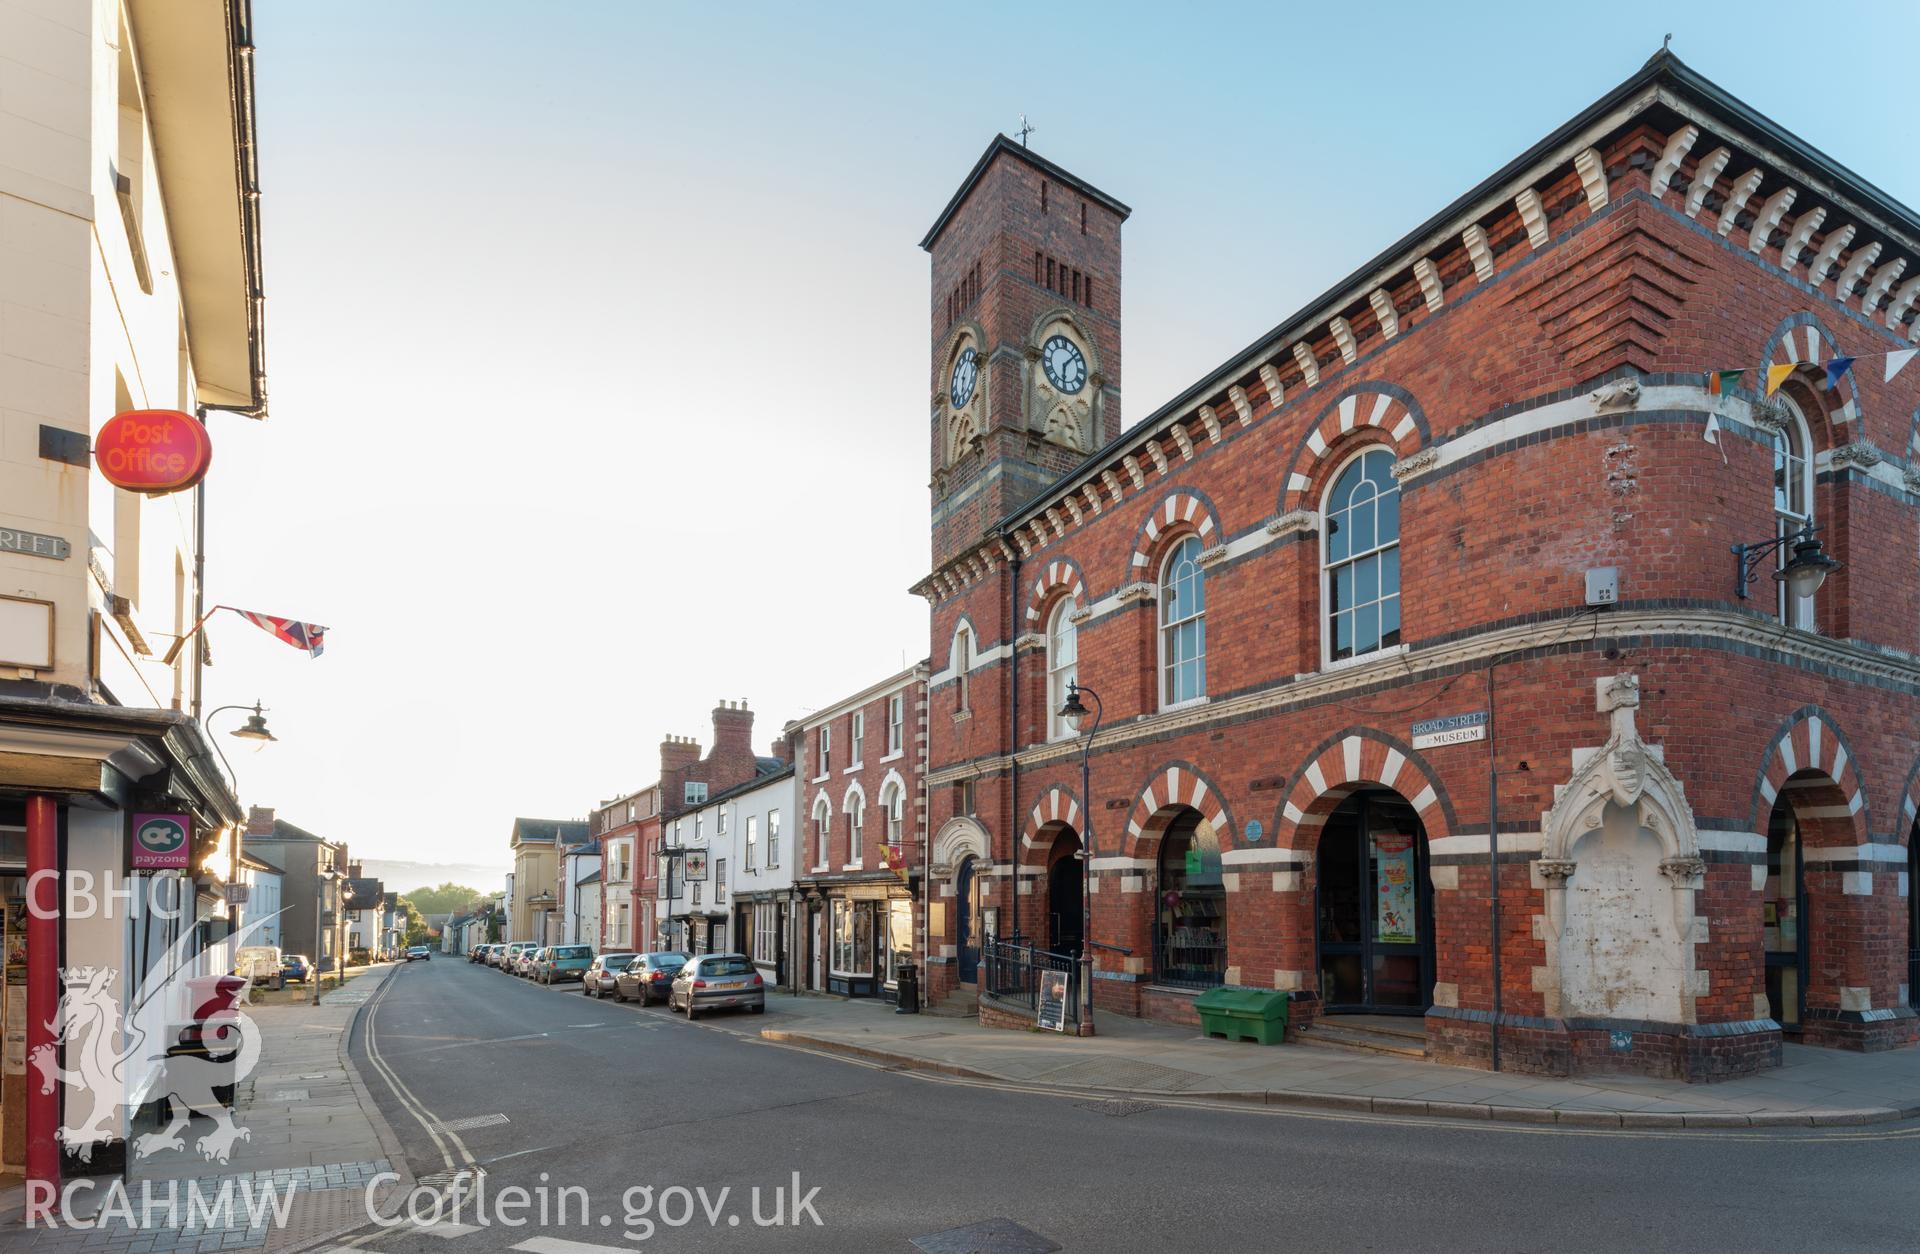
[315, 1138]
[1815, 1087]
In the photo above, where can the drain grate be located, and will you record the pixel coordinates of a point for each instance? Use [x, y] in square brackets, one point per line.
[471, 1122]
[989, 1236]
[447, 1179]
[1118, 1107]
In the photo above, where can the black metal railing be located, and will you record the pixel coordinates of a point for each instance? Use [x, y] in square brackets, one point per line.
[1012, 974]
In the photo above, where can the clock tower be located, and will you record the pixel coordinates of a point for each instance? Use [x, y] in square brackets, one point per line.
[1025, 337]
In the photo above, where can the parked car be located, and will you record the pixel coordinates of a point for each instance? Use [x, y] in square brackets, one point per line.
[560, 963]
[480, 953]
[510, 956]
[295, 968]
[523, 965]
[648, 977]
[419, 953]
[716, 981]
[497, 956]
[263, 965]
[598, 979]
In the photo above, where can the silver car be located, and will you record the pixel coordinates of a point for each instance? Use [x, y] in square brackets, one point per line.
[718, 981]
[599, 978]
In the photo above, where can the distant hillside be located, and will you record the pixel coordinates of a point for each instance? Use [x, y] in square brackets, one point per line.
[404, 877]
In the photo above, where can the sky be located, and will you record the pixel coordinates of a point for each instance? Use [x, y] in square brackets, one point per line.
[597, 333]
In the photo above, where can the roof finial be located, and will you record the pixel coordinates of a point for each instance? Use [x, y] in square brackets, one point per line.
[1027, 129]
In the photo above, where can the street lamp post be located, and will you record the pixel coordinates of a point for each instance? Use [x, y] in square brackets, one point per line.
[254, 731]
[319, 922]
[1804, 572]
[1076, 713]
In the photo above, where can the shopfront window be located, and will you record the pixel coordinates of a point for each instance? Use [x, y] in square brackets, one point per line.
[852, 928]
[897, 938]
[1190, 926]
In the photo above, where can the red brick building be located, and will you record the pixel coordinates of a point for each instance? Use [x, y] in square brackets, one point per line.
[627, 829]
[859, 846]
[1443, 561]
[685, 921]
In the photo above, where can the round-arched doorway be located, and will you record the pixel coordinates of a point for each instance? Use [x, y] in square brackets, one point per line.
[1066, 900]
[1375, 907]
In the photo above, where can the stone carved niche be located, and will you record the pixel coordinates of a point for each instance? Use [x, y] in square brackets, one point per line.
[1620, 868]
[959, 838]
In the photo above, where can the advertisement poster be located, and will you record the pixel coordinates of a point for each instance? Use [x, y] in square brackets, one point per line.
[1394, 920]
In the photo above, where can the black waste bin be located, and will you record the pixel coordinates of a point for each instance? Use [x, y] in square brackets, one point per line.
[908, 992]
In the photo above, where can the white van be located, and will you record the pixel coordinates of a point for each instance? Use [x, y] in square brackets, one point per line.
[261, 965]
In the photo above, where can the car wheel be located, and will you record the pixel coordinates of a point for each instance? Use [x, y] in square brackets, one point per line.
[690, 1010]
[760, 1009]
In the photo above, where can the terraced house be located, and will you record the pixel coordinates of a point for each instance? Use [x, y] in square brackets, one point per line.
[1463, 574]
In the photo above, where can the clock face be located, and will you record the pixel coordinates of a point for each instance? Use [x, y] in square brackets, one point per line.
[965, 372]
[1066, 368]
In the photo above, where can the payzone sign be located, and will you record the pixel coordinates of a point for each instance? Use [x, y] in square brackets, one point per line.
[162, 842]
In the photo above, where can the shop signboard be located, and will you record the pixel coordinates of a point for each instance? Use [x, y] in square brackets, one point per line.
[1394, 920]
[154, 451]
[696, 861]
[162, 842]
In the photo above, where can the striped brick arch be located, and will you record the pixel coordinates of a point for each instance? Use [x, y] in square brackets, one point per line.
[1056, 805]
[1182, 507]
[1347, 762]
[1176, 784]
[1802, 340]
[1909, 808]
[1809, 741]
[1382, 406]
[1058, 575]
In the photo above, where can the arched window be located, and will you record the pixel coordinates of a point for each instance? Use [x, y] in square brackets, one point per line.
[1360, 572]
[962, 663]
[856, 808]
[892, 804]
[822, 829]
[1190, 911]
[1063, 665]
[1183, 625]
[1792, 503]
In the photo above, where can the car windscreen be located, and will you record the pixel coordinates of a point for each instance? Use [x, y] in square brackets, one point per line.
[615, 961]
[726, 966]
[571, 951]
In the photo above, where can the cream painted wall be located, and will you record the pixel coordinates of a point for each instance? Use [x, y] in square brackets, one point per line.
[79, 339]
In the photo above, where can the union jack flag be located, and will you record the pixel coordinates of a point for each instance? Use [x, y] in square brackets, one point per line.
[309, 636]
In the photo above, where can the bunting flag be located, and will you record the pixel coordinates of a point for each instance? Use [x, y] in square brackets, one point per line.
[309, 636]
[1897, 361]
[1776, 375]
[1712, 435]
[1721, 382]
[1836, 368]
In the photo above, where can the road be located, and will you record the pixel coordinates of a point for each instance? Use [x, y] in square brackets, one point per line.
[613, 1099]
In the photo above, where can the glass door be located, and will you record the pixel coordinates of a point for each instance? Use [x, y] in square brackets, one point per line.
[1375, 911]
[1783, 918]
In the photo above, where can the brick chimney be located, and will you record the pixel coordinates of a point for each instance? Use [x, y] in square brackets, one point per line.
[260, 821]
[353, 871]
[732, 729]
[678, 753]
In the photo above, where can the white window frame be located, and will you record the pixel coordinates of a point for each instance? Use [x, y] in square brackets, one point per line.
[822, 832]
[1167, 629]
[856, 829]
[693, 792]
[773, 838]
[752, 835]
[1061, 671]
[720, 822]
[1790, 517]
[826, 751]
[1327, 568]
[857, 733]
[892, 806]
[896, 724]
